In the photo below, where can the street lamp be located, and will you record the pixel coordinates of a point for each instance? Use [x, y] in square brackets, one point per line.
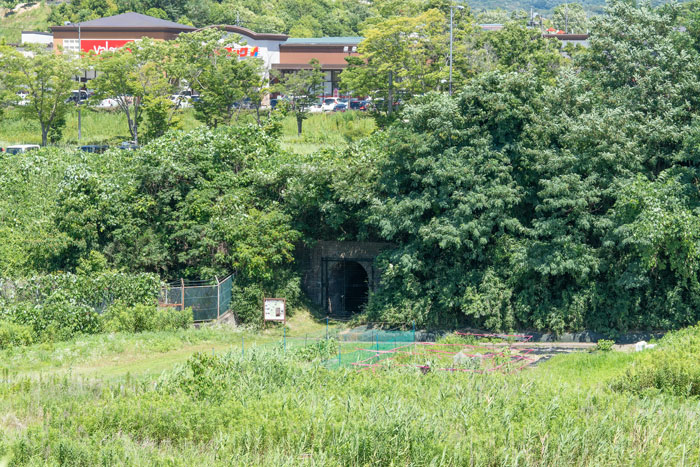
[452, 11]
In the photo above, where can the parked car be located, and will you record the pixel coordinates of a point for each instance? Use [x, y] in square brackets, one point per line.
[329, 103]
[316, 108]
[340, 107]
[181, 101]
[21, 148]
[108, 103]
[357, 105]
[78, 96]
[94, 148]
[128, 146]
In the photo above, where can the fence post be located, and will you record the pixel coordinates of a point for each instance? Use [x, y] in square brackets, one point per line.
[414, 331]
[339, 355]
[326, 327]
[284, 333]
[182, 286]
[242, 346]
[218, 298]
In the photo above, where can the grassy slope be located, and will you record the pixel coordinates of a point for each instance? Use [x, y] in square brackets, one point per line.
[12, 24]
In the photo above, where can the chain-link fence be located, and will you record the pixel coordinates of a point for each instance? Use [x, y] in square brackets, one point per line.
[208, 299]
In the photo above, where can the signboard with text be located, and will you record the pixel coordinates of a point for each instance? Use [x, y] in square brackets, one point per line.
[274, 309]
[103, 45]
[244, 52]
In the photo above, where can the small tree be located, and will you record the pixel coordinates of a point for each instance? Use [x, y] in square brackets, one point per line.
[570, 17]
[301, 88]
[47, 78]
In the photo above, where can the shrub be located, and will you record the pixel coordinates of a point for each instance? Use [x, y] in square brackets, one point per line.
[604, 345]
[672, 368]
[170, 319]
[122, 318]
[12, 334]
[54, 320]
[319, 350]
[140, 318]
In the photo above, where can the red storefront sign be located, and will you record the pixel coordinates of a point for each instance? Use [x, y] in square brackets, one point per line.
[99, 45]
[244, 51]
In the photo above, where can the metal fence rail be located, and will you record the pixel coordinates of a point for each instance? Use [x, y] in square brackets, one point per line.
[208, 300]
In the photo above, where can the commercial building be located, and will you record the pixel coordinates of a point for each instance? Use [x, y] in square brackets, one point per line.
[277, 51]
[331, 52]
[113, 32]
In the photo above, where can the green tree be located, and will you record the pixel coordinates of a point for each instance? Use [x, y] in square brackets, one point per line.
[517, 48]
[300, 88]
[135, 76]
[48, 78]
[207, 62]
[571, 18]
[413, 50]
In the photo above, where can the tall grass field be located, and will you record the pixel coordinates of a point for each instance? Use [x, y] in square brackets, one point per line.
[224, 396]
[110, 127]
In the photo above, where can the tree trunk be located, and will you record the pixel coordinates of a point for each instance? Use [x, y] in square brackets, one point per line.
[44, 134]
[300, 119]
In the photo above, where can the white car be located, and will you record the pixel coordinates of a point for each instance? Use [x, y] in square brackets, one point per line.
[108, 103]
[21, 148]
[182, 101]
[316, 108]
[329, 103]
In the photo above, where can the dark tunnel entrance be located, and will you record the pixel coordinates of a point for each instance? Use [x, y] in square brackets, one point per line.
[346, 287]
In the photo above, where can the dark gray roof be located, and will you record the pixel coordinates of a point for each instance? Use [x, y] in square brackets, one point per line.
[323, 41]
[130, 20]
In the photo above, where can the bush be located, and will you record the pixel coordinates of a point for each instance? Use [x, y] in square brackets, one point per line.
[604, 345]
[319, 350]
[140, 318]
[54, 320]
[672, 368]
[12, 334]
[122, 318]
[170, 319]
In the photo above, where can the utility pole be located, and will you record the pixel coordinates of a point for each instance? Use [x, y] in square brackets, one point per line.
[390, 99]
[452, 7]
[451, 18]
[80, 90]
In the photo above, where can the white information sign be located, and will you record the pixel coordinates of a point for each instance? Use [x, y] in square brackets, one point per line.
[274, 309]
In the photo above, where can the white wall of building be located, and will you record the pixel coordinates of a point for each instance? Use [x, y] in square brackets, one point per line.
[34, 37]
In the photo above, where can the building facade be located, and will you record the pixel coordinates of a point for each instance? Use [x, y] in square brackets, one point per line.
[113, 32]
[331, 52]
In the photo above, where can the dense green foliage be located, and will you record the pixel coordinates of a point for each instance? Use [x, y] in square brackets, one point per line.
[59, 306]
[140, 318]
[555, 205]
[13, 334]
[548, 193]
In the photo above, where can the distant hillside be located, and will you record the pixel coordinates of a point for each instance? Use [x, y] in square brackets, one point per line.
[545, 7]
[300, 18]
[27, 16]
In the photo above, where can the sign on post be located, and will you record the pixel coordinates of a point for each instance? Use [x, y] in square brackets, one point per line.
[274, 309]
